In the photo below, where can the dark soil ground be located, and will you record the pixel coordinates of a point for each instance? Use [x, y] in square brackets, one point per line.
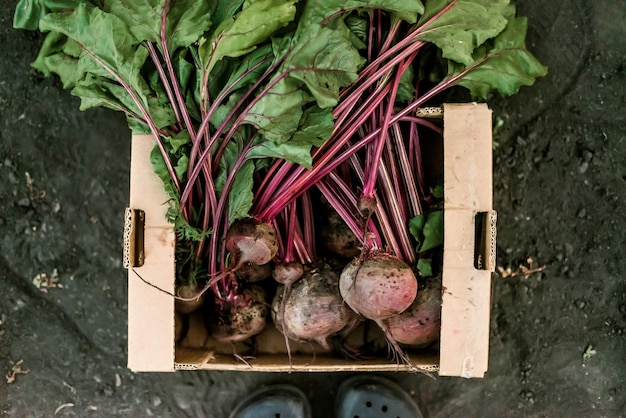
[558, 342]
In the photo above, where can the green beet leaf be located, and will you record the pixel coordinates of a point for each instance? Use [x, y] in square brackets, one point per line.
[233, 148]
[316, 11]
[433, 231]
[416, 228]
[241, 196]
[255, 59]
[503, 64]
[465, 26]
[100, 92]
[179, 141]
[28, 13]
[109, 48]
[142, 17]
[292, 151]
[406, 89]
[358, 30]
[110, 52]
[252, 26]
[53, 58]
[159, 106]
[183, 229]
[181, 167]
[315, 128]
[277, 114]
[424, 267]
[185, 21]
[325, 61]
[186, 75]
[160, 169]
[225, 10]
[223, 110]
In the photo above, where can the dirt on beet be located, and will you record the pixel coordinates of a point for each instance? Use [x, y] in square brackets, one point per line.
[558, 347]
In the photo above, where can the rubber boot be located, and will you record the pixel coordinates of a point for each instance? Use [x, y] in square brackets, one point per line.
[276, 401]
[372, 396]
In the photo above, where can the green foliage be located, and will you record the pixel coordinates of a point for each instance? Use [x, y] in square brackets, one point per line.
[252, 26]
[325, 61]
[424, 267]
[428, 233]
[28, 13]
[427, 230]
[465, 26]
[316, 11]
[277, 114]
[111, 54]
[241, 194]
[502, 64]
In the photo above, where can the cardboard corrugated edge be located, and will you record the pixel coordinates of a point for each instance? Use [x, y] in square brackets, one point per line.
[468, 180]
[150, 311]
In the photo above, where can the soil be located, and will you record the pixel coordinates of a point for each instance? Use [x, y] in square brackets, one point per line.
[558, 343]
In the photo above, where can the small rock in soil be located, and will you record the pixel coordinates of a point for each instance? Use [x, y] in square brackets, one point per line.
[587, 156]
[560, 257]
[582, 169]
[528, 395]
[13, 179]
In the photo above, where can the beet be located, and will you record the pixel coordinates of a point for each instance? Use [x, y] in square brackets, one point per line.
[239, 318]
[378, 286]
[288, 273]
[251, 241]
[254, 272]
[314, 310]
[420, 325]
[185, 302]
[337, 238]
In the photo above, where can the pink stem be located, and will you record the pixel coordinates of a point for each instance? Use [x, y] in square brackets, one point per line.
[370, 179]
[380, 214]
[408, 169]
[291, 232]
[308, 223]
[164, 80]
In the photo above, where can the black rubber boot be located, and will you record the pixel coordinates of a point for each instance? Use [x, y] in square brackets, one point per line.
[373, 396]
[276, 401]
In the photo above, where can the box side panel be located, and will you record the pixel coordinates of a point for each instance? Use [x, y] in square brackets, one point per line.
[150, 311]
[467, 191]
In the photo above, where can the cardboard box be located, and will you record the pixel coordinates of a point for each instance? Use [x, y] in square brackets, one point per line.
[469, 258]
